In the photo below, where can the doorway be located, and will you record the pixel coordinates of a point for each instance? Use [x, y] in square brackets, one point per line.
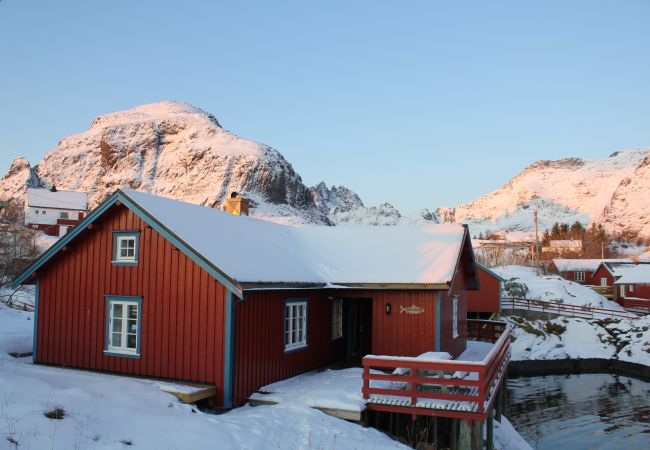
[358, 327]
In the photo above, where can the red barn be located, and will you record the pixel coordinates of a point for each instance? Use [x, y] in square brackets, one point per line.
[485, 303]
[160, 288]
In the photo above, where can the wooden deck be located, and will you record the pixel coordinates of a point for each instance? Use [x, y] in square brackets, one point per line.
[189, 393]
[454, 389]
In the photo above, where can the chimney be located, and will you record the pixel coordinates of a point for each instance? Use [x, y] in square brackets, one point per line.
[236, 205]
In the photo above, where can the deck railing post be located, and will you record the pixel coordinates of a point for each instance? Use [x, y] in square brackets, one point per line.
[414, 387]
[366, 381]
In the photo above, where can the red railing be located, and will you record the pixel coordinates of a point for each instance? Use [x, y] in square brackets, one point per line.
[457, 389]
[638, 304]
[585, 312]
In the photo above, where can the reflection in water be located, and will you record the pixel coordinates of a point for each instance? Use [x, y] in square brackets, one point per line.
[590, 411]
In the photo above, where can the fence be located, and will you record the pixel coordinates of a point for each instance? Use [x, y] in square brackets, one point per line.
[585, 312]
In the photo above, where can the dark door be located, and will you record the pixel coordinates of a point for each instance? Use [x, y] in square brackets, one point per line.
[358, 314]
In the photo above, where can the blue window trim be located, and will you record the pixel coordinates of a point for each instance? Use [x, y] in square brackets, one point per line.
[122, 298]
[119, 233]
[289, 301]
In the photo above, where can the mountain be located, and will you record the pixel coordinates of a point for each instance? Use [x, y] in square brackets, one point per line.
[612, 191]
[180, 151]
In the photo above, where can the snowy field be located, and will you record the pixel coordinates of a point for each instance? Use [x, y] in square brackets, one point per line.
[623, 339]
[550, 288]
[113, 412]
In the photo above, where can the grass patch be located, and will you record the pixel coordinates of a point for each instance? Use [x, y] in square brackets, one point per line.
[528, 328]
[57, 413]
[554, 328]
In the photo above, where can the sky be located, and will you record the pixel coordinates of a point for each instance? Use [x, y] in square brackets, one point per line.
[418, 103]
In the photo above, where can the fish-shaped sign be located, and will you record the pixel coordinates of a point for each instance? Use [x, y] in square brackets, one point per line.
[411, 309]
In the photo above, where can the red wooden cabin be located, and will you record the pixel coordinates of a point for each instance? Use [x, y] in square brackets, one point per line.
[581, 271]
[160, 288]
[609, 272]
[485, 303]
[633, 287]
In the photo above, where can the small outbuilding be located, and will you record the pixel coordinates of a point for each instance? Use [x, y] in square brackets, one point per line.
[485, 303]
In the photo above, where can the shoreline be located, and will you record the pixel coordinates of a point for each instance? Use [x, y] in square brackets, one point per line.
[542, 367]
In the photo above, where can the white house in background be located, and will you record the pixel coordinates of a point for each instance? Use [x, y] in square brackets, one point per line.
[54, 212]
[563, 246]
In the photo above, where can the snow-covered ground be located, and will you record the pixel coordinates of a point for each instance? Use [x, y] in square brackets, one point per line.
[110, 411]
[550, 288]
[623, 339]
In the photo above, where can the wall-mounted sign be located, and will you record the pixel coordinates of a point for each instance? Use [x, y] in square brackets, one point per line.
[411, 309]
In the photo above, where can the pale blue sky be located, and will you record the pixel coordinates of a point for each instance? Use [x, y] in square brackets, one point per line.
[420, 103]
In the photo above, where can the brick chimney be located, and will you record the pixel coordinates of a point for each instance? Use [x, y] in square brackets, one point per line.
[236, 205]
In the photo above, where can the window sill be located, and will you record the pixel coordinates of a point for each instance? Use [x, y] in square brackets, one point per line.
[124, 263]
[295, 349]
[121, 355]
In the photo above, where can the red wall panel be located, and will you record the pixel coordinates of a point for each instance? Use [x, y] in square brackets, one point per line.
[259, 344]
[487, 298]
[182, 328]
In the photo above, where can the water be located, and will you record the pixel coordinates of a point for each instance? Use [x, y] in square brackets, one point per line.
[590, 411]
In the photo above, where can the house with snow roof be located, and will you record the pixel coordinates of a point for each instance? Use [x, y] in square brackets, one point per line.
[610, 272]
[155, 287]
[54, 212]
[581, 270]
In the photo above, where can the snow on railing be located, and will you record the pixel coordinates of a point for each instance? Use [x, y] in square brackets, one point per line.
[585, 312]
[458, 388]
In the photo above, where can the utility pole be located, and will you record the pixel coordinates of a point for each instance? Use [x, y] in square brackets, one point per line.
[537, 257]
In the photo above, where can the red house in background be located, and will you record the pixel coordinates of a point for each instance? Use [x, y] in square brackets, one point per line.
[486, 302]
[581, 271]
[160, 288]
[634, 287]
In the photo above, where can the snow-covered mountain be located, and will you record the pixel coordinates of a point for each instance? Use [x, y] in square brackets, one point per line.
[180, 151]
[613, 191]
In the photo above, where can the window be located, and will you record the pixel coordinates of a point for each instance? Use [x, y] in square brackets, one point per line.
[631, 288]
[580, 277]
[603, 281]
[337, 318]
[622, 290]
[64, 215]
[123, 326]
[36, 211]
[454, 316]
[125, 248]
[295, 325]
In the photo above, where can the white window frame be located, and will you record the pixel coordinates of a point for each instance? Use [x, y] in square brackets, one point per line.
[580, 277]
[64, 215]
[603, 281]
[295, 325]
[454, 316]
[123, 348]
[622, 290]
[337, 318]
[124, 238]
[631, 288]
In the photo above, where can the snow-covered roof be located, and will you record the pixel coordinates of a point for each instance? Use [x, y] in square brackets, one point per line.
[566, 243]
[635, 274]
[620, 268]
[256, 251]
[44, 198]
[582, 265]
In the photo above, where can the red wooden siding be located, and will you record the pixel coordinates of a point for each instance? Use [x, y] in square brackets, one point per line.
[640, 291]
[590, 278]
[487, 298]
[182, 317]
[259, 343]
[602, 272]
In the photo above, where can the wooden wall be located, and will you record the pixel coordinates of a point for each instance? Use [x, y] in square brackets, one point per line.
[259, 343]
[182, 332]
[449, 344]
[487, 298]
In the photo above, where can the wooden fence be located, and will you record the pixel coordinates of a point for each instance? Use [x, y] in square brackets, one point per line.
[564, 309]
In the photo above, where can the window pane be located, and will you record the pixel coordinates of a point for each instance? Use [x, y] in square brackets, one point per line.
[117, 310]
[132, 311]
[117, 325]
[116, 339]
[133, 326]
[131, 341]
